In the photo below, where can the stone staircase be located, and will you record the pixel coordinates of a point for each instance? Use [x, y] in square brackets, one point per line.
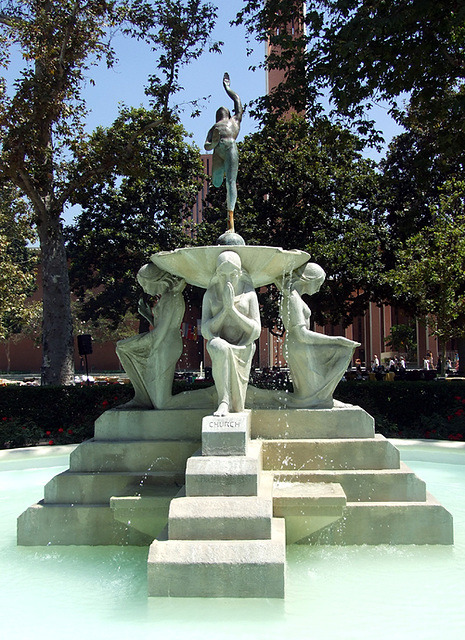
[386, 502]
[222, 539]
[133, 454]
[328, 476]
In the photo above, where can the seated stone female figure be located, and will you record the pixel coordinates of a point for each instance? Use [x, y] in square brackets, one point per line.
[316, 361]
[231, 324]
[150, 358]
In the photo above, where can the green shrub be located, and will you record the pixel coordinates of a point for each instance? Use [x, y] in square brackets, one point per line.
[61, 415]
[19, 432]
[66, 415]
[433, 409]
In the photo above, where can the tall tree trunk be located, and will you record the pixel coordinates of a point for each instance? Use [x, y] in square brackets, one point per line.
[57, 337]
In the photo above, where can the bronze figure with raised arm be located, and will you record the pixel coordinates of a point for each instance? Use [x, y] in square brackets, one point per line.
[222, 139]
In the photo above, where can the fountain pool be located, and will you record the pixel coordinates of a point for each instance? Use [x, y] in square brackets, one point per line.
[332, 593]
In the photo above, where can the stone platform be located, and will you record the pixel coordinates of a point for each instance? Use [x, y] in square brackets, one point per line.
[350, 483]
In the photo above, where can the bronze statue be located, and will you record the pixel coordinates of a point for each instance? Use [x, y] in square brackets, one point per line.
[222, 139]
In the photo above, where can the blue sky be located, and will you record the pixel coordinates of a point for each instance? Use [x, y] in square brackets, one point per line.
[125, 82]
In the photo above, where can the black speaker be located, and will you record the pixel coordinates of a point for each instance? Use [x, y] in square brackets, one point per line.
[84, 344]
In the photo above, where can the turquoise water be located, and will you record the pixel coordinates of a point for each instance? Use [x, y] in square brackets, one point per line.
[362, 592]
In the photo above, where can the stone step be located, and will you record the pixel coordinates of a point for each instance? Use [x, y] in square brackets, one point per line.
[343, 421]
[307, 507]
[389, 523]
[145, 424]
[220, 518]
[219, 568]
[65, 524]
[365, 485]
[143, 456]
[224, 475]
[301, 454]
[146, 512]
[90, 488]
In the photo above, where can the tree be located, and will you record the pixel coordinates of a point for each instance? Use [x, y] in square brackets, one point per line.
[412, 177]
[17, 261]
[358, 53]
[308, 187]
[126, 217]
[403, 339]
[42, 122]
[374, 51]
[103, 330]
[430, 275]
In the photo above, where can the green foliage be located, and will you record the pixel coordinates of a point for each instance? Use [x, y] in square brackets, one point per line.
[411, 409]
[384, 50]
[54, 415]
[44, 147]
[17, 262]
[409, 55]
[403, 339]
[103, 329]
[60, 415]
[359, 53]
[308, 187]
[65, 415]
[413, 175]
[19, 432]
[430, 275]
[180, 31]
[137, 208]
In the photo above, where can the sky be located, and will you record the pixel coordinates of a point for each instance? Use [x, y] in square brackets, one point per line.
[124, 83]
[204, 77]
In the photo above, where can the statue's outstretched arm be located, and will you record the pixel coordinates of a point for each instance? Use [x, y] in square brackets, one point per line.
[238, 110]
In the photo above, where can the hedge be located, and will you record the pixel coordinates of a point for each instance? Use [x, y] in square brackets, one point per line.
[402, 409]
[65, 415]
[54, 415]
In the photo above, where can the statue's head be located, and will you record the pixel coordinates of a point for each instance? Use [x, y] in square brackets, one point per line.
[228, 266]
[154, 280]
[309, 278]
[230, 257]
[222, 114]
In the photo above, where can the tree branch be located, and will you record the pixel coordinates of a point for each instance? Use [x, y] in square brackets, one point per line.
[104, 166]
[67, 35]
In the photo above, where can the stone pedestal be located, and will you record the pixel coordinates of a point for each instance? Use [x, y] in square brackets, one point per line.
[222, 539]
[226, 435]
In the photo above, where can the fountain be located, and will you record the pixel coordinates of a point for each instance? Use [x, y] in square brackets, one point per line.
[216, 482]
[336, 591]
